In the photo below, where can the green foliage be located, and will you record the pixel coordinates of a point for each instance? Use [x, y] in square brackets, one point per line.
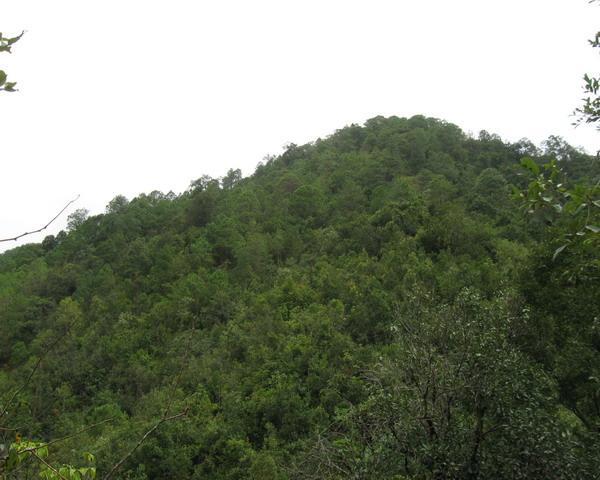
[6, 46]
[24, 455]
[310, 320]
[589, 112]
[77, 218]
[451, 397]
[572, 211]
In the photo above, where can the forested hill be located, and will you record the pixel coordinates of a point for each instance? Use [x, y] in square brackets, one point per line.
[371, 305]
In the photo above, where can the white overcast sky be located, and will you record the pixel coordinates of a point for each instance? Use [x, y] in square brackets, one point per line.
[130, 96]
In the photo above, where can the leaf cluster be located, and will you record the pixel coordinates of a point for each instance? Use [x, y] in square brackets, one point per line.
[6, 46]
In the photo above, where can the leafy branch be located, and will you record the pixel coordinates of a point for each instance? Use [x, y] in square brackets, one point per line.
[21, 451]
[573, 210]
[6, 46]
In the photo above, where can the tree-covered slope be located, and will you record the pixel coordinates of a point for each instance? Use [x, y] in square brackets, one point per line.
[370, 305]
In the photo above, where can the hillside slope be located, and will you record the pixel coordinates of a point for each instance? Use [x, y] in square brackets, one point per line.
[370, 305]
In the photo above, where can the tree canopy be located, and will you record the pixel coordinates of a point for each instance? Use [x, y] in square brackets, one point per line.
[369, 305]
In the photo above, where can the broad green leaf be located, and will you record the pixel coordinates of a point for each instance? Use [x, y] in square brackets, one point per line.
[530, 165]
[2, 77]
[593, 228]
[88, 456]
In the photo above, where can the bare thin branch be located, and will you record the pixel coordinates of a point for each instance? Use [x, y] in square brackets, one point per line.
[165, 416]
[62, 439]
[40, 459]
[14, 239]
[163, 419]
[6, 429]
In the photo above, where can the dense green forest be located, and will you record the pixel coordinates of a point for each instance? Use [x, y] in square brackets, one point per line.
[379, 304]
